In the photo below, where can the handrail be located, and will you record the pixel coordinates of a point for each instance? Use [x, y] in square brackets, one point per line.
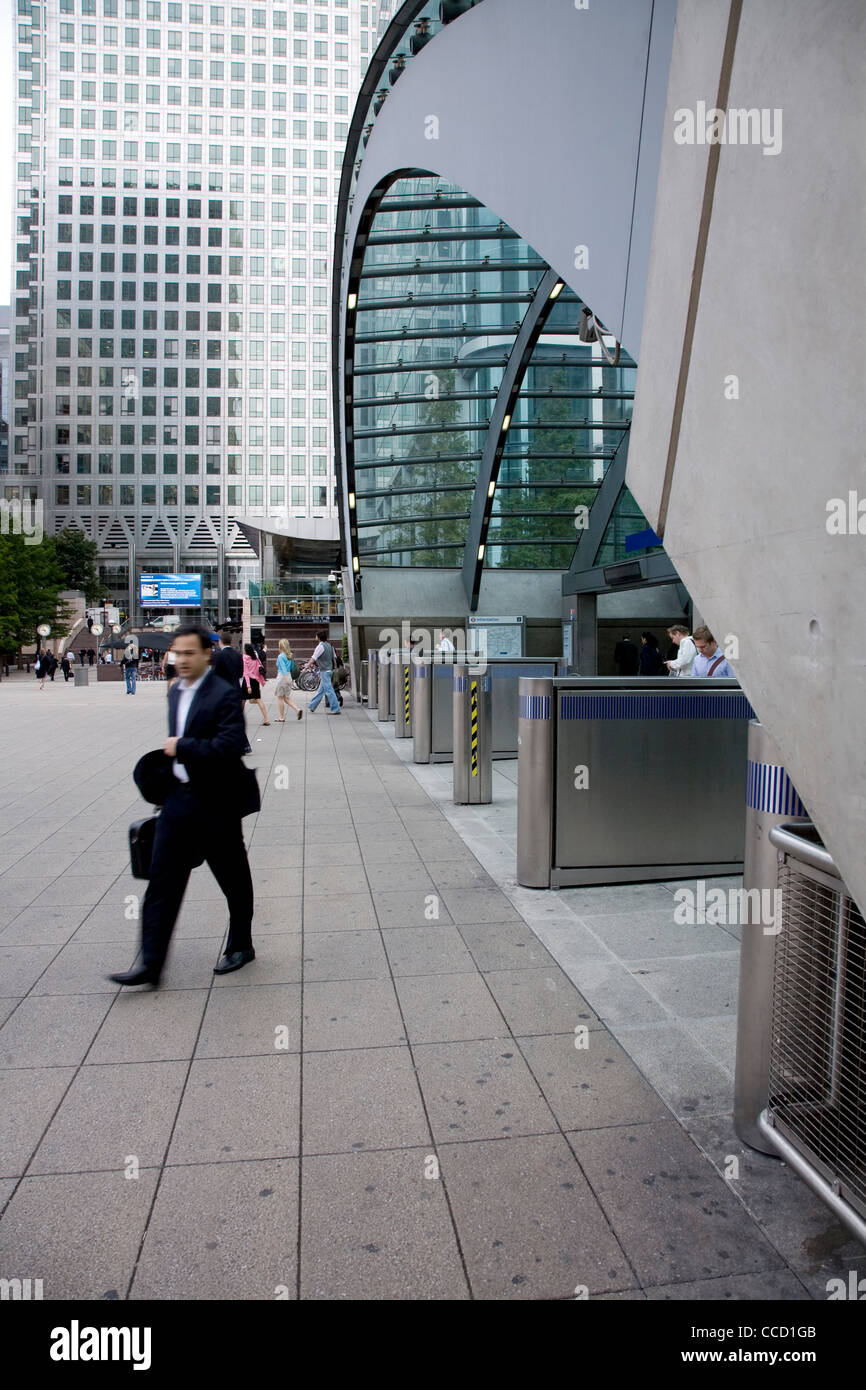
[791, 839]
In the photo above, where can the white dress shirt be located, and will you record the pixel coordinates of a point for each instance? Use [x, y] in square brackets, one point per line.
[187, 693]
[684, 661]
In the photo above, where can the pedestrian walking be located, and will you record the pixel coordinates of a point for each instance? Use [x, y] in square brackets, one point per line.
[168, 670]
[323, 660]
[65, 661]
[40, 668]
[228, 664]
[627, 656]
[252, 680]
[81, 656]
[206, 795]
[285, 671]
[683, 664]
[91, 655]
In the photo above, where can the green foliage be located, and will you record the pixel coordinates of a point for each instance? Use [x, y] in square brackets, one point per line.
[31, 579]
[76, 556]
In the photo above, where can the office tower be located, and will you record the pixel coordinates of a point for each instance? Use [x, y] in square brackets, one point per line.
[177, 171]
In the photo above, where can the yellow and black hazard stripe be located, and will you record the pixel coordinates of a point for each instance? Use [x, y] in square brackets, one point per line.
[406, 694]
[473, 727]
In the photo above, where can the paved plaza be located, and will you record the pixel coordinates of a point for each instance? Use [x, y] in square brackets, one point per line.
[430, 1084]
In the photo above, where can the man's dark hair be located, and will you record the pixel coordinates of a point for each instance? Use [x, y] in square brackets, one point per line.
[193, 630]
[322, 634]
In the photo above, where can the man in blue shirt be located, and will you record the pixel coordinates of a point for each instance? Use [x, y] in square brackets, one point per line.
[710, 660]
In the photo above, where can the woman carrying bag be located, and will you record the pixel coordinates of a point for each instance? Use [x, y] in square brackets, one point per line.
[250, 685]
[285, 671]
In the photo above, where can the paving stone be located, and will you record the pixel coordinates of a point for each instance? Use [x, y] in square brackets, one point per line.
[674, 1216]
[451, 1008]
[21, 967]
[332, 857]
[80, 968]
[364, 1099]
[350, 1014]
[78, 1232]
[243, 1022]
[591, 1086]
[8, 1006]
[541, 1000]
[53, 926]
[334, 880]
[277, 962]
[149, 1025]
[225, 1231]
[480, 1090]
[344, 956]
[28, 1099]
[505, 946]
[399, 875]
[431, 950]
[110, 1112]
[474, 905]
[409, 907]
[618, 997]
[340, 912]
[703, 986]
[464, 872]
[46, 1032]
[390, 848]
[238, 1108]
[374, 1227]
[279, 856]
[529, 1225]
[689, 1079]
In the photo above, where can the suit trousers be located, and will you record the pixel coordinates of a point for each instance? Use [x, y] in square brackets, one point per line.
[190, 832]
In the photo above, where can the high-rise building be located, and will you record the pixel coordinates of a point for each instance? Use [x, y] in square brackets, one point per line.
[178, 167]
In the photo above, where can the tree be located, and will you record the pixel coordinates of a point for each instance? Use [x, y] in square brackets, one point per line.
[76, 556]
[31, 580]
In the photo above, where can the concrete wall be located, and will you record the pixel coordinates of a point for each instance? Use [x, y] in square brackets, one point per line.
[782, 309]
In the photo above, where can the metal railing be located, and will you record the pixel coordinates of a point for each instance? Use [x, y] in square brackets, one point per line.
[816, 1111]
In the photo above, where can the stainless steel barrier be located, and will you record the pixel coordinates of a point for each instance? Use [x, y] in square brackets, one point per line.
[770, 800]
[402, 696]
[473, 737]
[432, 723]
[645, 778]
[372, 665]
[384, 687]
[815, 1116]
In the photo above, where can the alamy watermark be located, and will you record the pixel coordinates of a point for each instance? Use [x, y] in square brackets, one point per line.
[739, 125]
[19, 518]
[721, 907]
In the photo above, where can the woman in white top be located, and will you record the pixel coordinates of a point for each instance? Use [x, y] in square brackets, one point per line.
[683, 664]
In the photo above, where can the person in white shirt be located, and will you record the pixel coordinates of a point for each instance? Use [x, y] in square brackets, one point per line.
[683, 663]
[445, 644]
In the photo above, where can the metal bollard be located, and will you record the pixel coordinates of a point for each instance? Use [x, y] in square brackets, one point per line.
[473, 737]
[403, 695]
[372, 680]
[535, 780]
[770, 800]
[81, 676]
[422, 711]
[384, 686]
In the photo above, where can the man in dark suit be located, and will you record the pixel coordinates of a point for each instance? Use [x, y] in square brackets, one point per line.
[208, 786]
[228, 664]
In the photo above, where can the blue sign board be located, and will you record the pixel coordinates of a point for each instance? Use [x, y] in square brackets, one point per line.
[641, 540]
[170, 590]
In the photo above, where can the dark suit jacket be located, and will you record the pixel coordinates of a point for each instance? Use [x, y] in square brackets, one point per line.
[212, 746]
[228, 664]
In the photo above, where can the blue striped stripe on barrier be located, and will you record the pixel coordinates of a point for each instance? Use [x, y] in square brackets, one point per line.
[769, 788]
[723, 705]
[533, 706]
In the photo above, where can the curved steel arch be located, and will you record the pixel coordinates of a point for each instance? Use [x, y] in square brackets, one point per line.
[494, 50]
[491, 457]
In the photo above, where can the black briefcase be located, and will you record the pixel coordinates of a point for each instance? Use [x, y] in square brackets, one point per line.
[141, 836]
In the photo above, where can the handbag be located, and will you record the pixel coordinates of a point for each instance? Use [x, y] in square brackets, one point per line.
[141, 837]
[250, 800]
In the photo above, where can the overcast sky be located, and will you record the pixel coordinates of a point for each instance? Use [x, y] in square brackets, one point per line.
[7, 119]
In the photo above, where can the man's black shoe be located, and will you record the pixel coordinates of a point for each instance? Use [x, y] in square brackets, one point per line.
[234, 961]
[135, 977]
